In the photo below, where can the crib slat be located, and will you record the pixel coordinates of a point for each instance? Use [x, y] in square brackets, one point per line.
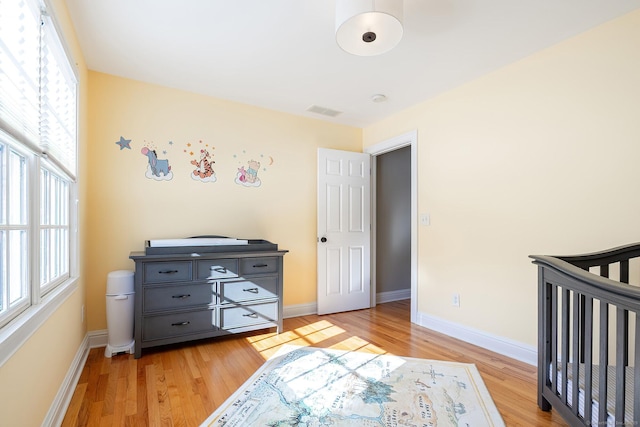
[624, 271]
[565, 343]
[554, 340]
[623, 335]
[588, 358]
[583, 326]
[575, 357]
[622, 356]
[636, 372]
[545, 296]
[604, 361]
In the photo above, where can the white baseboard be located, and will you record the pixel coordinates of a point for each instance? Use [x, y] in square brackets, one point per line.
[60, 404]
[299, 310]
[510, 348]
[382, 297]
[99, 338]
[312, 308]
[514, 349]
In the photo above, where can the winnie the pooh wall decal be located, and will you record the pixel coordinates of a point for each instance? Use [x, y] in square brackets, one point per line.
[247, 174]
[203, 162]
[157, 169]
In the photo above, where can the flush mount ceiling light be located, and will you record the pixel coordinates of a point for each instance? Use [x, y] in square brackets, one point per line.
[368, 27]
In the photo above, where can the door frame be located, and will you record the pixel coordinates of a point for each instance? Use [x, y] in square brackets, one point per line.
[400, 141]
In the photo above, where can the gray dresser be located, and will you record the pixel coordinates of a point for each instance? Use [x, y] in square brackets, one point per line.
[188, 296]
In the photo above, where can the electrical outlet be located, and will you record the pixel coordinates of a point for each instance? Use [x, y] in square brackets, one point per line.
[455, 300]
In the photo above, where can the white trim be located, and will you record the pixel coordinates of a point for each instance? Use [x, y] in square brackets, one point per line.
[60, 404]
[99, 338]
[298, 310]
[18, 331]
[400, 141]
[50, 12]
[389, 296]
[505, 346]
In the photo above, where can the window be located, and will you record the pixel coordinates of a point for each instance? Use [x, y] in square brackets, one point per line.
[54, 229]
[13, 231]
[38, 146]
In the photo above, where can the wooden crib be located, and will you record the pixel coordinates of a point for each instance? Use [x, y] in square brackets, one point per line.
[589, 329]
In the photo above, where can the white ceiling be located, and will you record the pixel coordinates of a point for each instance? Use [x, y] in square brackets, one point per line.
[282, 54]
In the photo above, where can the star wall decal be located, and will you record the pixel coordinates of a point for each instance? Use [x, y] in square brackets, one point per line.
[124, 143]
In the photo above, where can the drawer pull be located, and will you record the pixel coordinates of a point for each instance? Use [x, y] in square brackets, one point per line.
[180, 323]
[252, 315]
[168, 272]
[221, 270]
[260, 265]
[181, 296]
[252, 290]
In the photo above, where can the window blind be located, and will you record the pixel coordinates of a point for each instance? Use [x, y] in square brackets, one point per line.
[20, 70]
[58, 111]
[38, 88]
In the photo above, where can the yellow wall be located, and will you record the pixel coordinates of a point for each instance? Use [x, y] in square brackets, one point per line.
[540, 157]
[30, 379]
[126, 208]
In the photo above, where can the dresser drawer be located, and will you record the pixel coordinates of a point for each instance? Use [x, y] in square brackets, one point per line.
[158, 272]
[178, 324]
[258, 265]
[248, 315]
[248, 290]
[215, 269]
[176, 296]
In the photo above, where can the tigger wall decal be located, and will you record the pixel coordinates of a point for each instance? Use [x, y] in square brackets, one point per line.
[204, 167]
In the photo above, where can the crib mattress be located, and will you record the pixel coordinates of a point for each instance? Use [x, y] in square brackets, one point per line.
[611, 390]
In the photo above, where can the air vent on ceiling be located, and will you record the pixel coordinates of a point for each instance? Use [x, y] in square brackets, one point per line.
[324, 111]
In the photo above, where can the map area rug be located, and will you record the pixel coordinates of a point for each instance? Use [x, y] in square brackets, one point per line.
[308, 386]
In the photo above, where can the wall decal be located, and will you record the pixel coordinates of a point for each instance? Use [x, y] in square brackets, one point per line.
[157, 169]
[124, 143]
[203, 162]
[248, 176]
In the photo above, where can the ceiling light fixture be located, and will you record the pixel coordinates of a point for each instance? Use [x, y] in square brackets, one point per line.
[368, 27]
[378, 97]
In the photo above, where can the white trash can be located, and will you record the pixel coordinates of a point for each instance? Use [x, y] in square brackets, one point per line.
[120, 296]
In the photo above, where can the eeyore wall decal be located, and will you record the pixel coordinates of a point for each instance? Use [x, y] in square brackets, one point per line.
[158, 169]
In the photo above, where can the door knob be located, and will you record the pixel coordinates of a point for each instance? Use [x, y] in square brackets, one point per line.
[323, 239]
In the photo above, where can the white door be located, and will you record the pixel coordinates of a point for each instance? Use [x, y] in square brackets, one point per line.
[344, 231]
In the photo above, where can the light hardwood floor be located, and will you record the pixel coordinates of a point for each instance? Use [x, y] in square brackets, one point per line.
[181, 385]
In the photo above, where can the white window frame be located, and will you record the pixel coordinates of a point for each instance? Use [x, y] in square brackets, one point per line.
[47, 283]
[45, 300]
[10, 225]
[43, 304]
